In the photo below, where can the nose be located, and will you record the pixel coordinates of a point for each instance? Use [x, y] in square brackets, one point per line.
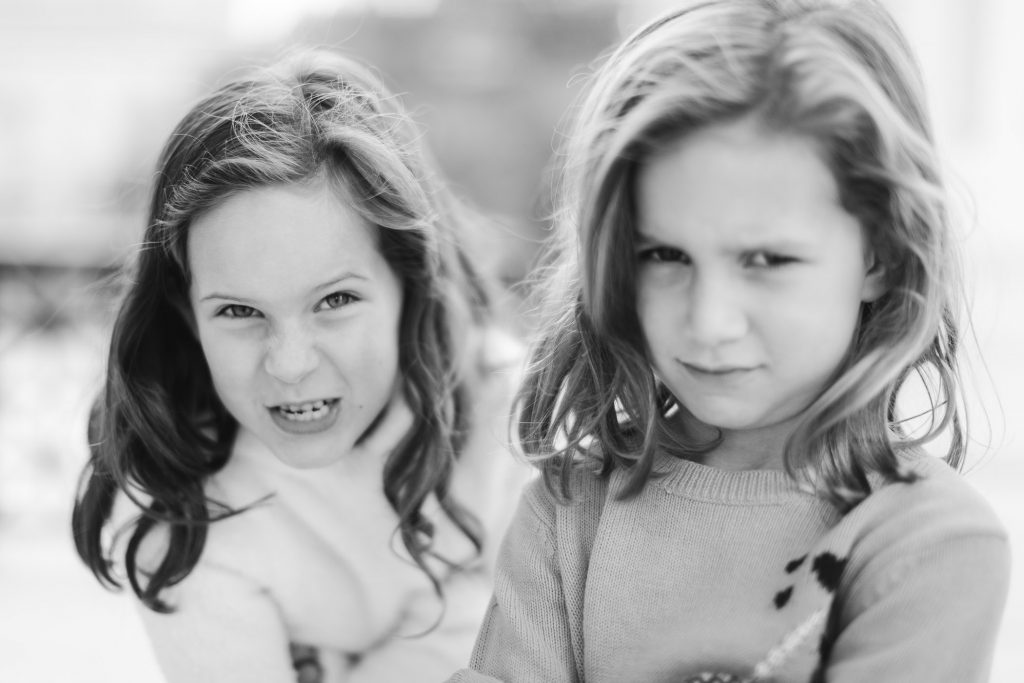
[291, 354]
[715, 312]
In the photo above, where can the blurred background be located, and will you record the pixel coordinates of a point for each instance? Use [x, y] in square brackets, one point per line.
[89, 91]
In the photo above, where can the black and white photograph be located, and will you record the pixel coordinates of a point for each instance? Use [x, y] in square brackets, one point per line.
[519, 341]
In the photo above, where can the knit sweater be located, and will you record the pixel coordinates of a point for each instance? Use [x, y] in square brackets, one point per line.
[730, 576]
[312, 581]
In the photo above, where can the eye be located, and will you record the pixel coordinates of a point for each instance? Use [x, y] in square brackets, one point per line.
[237, 311]
[662, 255]
[767, 259]
[337, 300]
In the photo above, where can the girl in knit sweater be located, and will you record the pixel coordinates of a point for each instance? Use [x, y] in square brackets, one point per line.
[755, 256]
[298, 455]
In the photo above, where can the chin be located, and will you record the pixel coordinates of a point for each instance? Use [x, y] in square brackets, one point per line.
[313, 454]
[733, 422]
[725, 416]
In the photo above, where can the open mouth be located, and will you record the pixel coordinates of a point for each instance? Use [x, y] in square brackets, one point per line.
[305, 412]
[306, 417]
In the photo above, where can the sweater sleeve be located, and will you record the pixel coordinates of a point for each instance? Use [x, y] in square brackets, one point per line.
[933, 615]
[225, 628]
[526, 632]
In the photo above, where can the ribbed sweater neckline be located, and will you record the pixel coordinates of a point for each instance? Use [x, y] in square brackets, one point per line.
[701, 482]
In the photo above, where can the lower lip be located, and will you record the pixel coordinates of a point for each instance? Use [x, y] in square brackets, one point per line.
[307, 426]
[718, 375]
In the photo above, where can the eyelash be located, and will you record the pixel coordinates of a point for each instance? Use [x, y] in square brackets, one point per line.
[243, 312]
[346, 297]
[661, 255]
[771, 260]
[232, 311]
[672, 255]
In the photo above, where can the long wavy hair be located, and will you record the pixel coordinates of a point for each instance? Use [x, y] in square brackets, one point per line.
[158, 429]
[837, 72]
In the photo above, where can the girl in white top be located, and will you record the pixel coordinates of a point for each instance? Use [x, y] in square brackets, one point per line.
[298, 456]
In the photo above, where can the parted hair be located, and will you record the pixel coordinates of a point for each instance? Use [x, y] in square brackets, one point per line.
[838, 72]
[158, 429]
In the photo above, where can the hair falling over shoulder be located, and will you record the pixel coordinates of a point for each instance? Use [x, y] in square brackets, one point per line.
[837, 71]
[158, 430]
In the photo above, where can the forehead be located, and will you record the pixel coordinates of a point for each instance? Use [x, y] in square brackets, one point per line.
[738, 180]
[280, 239]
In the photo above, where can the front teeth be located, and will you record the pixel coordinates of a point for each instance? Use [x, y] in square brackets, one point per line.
[304, 412]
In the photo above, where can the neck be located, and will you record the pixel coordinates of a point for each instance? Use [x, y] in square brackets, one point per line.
[740, 449]
[745, 451]
[382, 437]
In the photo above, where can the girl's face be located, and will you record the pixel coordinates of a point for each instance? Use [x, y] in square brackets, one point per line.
[298, 316]
[750, 276]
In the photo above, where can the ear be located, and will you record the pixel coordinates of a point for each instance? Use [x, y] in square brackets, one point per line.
[876, 281]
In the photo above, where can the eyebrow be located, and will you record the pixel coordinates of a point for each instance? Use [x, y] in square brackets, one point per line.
[779, 242]
[329, 284]
[642, 239]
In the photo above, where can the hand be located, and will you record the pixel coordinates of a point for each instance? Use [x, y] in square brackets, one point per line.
[306, 660]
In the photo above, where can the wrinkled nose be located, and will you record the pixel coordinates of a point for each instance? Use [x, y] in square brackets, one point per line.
[291, 355]
[715, 312]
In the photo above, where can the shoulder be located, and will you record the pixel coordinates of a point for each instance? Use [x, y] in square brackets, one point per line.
[226, 539]
[241, 498]
[146, 553]
[937, 523]
[572, 518]
[127, 513]
[937, 504]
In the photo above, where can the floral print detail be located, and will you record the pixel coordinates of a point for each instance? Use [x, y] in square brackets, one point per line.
[306, 662]
[826, 569]
[716, 678]
[793, 640]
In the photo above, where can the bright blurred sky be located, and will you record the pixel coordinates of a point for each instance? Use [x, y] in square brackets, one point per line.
[268, 20]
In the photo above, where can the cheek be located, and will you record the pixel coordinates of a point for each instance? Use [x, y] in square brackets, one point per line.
[819, 322]
[371, 374]
[656, 313]
[374, 359]
[385, 353]
[230, 360]
[368, 352]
